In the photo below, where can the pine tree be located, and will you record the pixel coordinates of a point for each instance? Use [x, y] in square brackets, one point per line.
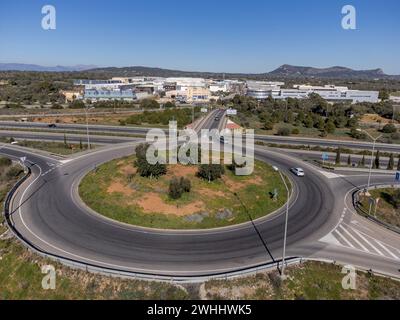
[65, 141]
[363, 161]
[349, 160]
[338, 156]
[377, 162]
[391, 162]
[80, 144]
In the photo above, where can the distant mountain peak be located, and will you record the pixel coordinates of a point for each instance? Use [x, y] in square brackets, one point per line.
[288, 70]
[35, 67]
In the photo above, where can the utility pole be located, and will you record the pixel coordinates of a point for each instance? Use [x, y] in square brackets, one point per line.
[372, 156]
[87, 125]
[286, 224]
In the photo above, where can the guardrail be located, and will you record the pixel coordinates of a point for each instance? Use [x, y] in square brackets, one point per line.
[360, 209]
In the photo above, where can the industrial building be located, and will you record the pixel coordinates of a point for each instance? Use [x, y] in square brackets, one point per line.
[104, 95]
[332, 93]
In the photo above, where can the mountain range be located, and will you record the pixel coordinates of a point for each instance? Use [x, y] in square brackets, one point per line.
[35, 67]
[284, 71]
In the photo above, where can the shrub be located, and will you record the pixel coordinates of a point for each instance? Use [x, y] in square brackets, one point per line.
[178, 186]
[13, 172]
[295, 131]
[396, 199]
[145, 169]
[185, 184]
[169, 105]
[389, 128]
[5, 162]
[211, 172]
[175, 190]
[283, 131]
[357, 134]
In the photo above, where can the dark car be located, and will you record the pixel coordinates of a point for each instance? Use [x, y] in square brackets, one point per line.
[52, 125]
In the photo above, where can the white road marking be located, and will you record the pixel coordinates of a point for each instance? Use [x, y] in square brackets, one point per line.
[368, 242]
[354, 239]
[344, 239]
[387, 250]
[330, 175]
[330, 238]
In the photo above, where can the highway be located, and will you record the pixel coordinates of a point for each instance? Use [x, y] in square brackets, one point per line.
[127, 130]
[46, 212]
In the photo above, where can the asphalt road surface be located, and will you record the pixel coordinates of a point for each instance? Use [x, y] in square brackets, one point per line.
[126, 130]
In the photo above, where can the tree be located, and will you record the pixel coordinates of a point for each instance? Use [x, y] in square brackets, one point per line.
[362, 163]
[80, 144]
[65, 141]
[268, 125]
[389, 128]
[349, 160]
[338, 156]
[211, 172]
[320, 124]
[377, 162]
[169, 105]
[391, 162]
[384, 94]
[308, 122]
[330, 126]
[149, 104]
[283, 131]
[145, 169]
[398, 164]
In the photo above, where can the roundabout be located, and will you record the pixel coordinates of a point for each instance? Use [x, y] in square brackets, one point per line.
[117, 191]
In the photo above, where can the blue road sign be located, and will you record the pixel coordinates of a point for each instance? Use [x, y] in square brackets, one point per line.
[325, 156]
[398, 176]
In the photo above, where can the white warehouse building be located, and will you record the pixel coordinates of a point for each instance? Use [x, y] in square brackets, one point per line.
[328, 92]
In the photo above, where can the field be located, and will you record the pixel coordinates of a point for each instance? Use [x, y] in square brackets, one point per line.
[52, 147]
[308, 281]
[117, 192]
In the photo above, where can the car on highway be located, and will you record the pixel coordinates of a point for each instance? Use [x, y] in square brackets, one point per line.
[298, 172]
[216, 118]
[52, 125]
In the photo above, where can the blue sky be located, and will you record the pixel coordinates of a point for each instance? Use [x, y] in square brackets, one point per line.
[206, 35]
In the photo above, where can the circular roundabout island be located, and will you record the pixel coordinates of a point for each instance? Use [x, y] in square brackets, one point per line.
[182, 197]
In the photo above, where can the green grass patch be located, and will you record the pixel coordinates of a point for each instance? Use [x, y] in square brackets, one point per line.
[308, 281]
[386, 210]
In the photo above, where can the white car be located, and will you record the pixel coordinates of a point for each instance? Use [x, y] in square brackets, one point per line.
[298, 172]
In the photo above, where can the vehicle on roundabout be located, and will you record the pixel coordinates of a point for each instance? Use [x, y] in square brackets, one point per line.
[298, 172]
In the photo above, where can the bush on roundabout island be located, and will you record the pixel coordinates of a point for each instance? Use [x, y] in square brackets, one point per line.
[211, 172]
[144, 168]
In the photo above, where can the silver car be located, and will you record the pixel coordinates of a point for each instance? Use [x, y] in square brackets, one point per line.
[298, 172]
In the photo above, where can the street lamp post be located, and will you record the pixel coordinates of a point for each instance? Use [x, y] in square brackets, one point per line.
[87, 125]
[372, 156]
[286, 224]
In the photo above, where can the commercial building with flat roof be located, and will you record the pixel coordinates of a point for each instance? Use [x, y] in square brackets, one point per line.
[104, 95]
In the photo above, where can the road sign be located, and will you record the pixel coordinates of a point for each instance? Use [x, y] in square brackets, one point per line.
[204, 110]
[325, 156]
[398, 176]
[231, 112]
